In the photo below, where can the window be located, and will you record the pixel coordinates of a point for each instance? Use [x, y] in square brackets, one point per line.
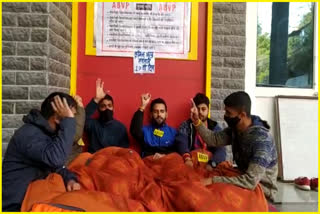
[285, 42]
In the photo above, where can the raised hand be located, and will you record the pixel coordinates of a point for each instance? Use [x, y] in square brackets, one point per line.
[99, 91]
[78, 100]
[145, 99]
[194, 115]
[61, 108]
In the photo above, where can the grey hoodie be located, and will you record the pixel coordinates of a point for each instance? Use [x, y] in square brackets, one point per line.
[254, 152]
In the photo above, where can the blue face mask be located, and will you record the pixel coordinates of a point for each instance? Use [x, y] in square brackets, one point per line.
[232, 121]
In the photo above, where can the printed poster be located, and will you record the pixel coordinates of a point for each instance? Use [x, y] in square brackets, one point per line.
[121, 28]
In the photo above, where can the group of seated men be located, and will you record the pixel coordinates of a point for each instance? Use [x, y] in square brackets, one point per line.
[49, 140]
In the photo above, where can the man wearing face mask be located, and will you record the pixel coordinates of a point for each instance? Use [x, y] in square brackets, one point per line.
[157, 138]
[104, 131]
[189, 139]
[38, 148]
[253, 147]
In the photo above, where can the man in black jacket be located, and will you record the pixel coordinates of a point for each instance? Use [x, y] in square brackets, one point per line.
[104, 131]
[39, 147]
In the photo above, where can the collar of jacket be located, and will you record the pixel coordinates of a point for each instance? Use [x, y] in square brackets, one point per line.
[35, 118]
[158, 127]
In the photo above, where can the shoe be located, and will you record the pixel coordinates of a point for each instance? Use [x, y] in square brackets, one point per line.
[302, 183]
[314, 184]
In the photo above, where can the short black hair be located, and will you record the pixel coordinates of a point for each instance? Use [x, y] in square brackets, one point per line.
[239, 100]
[107, 97]
[46, 107]
[157, 101]
[201, 99]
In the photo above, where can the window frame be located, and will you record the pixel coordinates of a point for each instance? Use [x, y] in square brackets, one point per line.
[251, 53]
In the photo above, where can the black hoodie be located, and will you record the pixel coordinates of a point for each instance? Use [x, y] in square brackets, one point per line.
[34, 151]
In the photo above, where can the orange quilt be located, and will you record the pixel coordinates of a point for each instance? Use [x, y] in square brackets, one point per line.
[117, 179]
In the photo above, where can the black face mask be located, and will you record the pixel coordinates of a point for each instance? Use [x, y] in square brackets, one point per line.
[232, 121]
[106, 115]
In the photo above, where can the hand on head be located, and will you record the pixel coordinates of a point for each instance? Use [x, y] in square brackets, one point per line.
[61, 108]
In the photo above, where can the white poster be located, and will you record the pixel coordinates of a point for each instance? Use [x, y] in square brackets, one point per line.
[143, 62]
[161, 27]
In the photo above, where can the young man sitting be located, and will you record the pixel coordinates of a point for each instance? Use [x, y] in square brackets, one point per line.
[253, 147]
[104, 131]
[39, 147]
[188, 138]
[157, 138]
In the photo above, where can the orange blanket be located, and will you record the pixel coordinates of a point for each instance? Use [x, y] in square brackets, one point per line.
[117, 179]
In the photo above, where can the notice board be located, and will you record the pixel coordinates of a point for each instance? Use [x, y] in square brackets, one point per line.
[297, 121]
[123, 27]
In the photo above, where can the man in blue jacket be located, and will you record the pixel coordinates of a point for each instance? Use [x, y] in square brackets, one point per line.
[189, 139]
[39, 147]
[157, 138]
[104, 131]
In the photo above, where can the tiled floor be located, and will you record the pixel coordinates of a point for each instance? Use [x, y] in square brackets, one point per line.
[290, 199]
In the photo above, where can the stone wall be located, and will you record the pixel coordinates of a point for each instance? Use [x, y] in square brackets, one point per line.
[36, 49]
[228, 56]
[228, 53]
[36, 56]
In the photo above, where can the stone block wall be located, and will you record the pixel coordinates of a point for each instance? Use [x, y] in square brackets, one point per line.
[228, 56]
[36, 50]
[228, 53]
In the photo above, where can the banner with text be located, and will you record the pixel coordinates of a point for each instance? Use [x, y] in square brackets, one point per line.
[124, 27]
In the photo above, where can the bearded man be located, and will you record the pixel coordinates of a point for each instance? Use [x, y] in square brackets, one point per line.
[157, 138]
